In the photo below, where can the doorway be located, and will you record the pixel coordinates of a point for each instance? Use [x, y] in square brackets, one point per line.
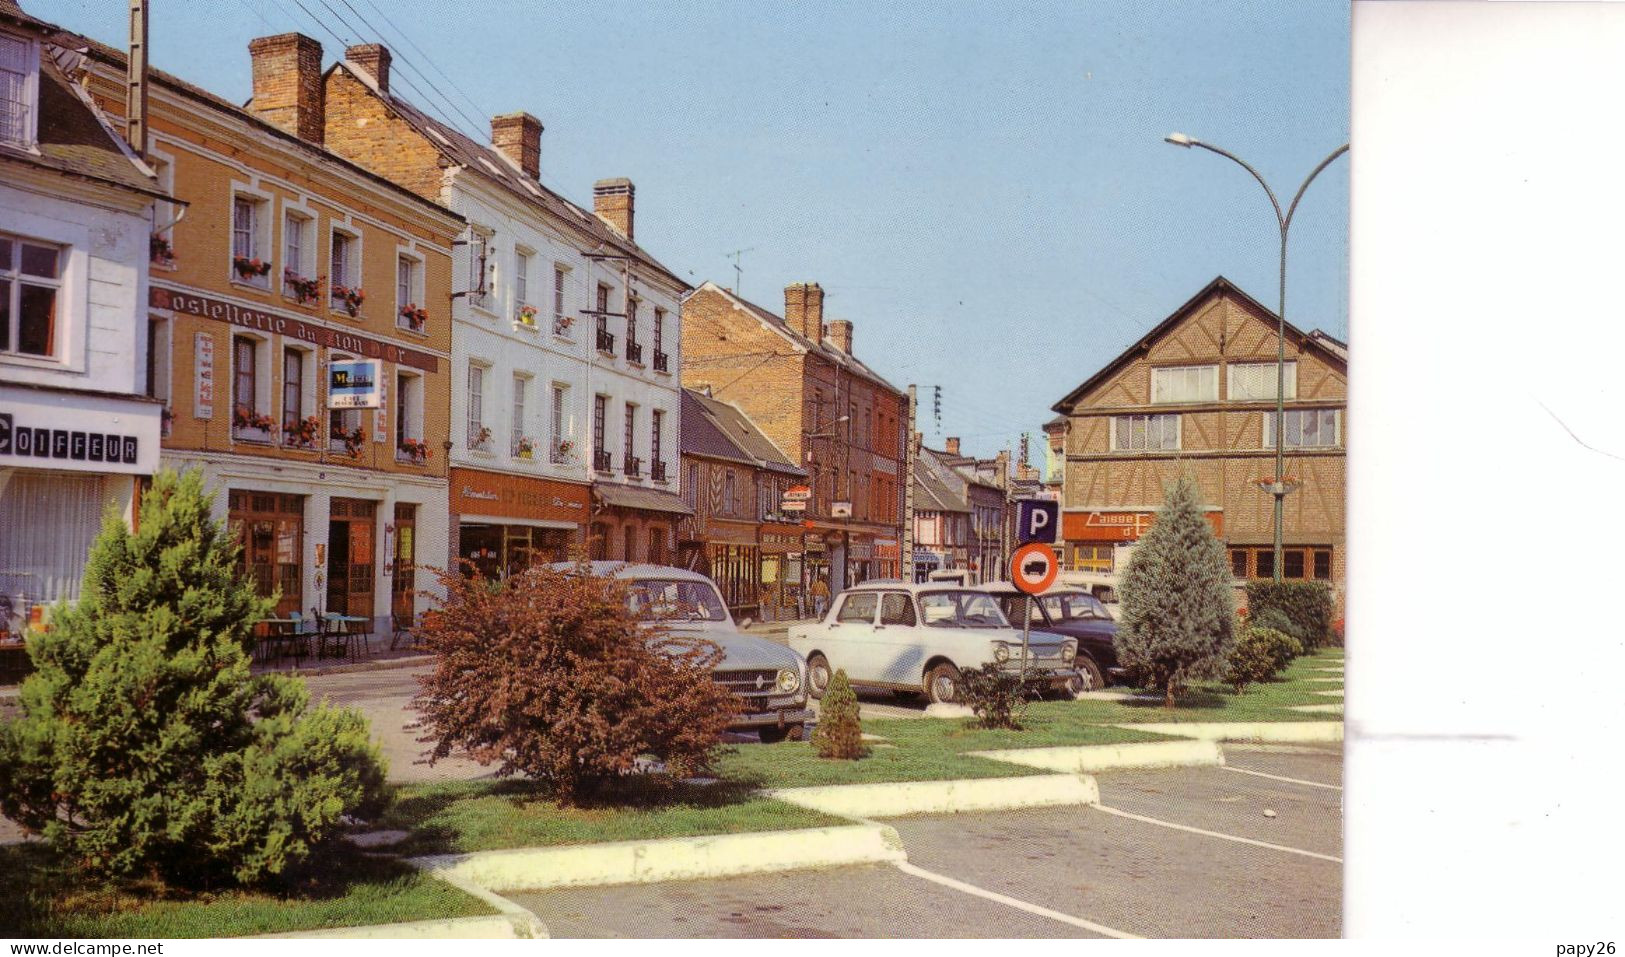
[350, 562]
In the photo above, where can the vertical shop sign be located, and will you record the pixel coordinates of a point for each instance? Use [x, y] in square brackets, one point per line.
[203, 400]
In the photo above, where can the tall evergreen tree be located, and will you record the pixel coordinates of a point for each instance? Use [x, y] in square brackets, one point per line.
[1178, 604]
[145, 746]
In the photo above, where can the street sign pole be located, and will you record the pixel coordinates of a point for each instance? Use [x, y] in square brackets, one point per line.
[1026, 637]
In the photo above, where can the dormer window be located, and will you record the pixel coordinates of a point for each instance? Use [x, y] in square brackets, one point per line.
[19, 91]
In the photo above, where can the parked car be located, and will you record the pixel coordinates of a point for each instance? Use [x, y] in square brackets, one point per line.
[1069, 611]
[918, 638]
[770, 678]
[1101, 585]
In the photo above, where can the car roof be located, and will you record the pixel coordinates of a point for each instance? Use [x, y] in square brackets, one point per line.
[892, 584]
[1007, 588]
[632, 570]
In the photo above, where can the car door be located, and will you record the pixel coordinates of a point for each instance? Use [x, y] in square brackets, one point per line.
[898, 651]
[850, 635]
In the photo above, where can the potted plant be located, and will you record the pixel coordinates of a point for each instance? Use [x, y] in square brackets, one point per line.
[250, 268]
[525, 447]
[416, 318]
[482, 438]
[305, 434]
[304, 290]
[562, 451]
[527, 315]
[242, 417]
[352, 439]
[562, 324]
[161, 251]
[350, 296]
[416, 449]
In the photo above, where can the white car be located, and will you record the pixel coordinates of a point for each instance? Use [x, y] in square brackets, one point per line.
[918, 637]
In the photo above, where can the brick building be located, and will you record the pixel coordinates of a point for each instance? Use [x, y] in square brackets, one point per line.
[960, 513]
[285, 285]
[735, 480]
[798, 379]
[565, 343]
[1196, 395]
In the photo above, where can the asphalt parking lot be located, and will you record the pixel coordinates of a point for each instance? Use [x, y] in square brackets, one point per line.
[1175, 853]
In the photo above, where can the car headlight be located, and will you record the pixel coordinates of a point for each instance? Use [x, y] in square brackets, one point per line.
[1001, 652]
[1069, 651]
[788, 681]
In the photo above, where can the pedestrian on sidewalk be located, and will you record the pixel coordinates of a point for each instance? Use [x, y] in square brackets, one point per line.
[820, 597]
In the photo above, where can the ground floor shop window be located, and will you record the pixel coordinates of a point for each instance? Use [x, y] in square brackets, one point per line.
[48, 521]
[271, 528]
[1090, 558]
[403, 564]
[497, 551]
[1297, 561]
[737, 571]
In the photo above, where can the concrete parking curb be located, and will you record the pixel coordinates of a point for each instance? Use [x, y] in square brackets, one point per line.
[944, 797]
[1296, 732]
[1112, 757]
[492, 927]
[688, 858]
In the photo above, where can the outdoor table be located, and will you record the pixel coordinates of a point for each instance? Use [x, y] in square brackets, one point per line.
[345, 630]
[283, 633]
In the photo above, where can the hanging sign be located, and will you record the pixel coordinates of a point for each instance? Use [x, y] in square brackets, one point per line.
[797, 493]
[354, 384]
[203, 354]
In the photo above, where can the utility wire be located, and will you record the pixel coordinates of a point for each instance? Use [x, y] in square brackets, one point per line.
[428, 59]
[379, 35]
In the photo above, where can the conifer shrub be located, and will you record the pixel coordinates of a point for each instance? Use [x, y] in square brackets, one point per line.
[146, 748]
[1307, 604]
[997, 695]
[1178, 605]
[549, 675]
[839, 733]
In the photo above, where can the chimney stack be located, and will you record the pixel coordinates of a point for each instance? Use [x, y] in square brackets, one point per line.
[841, 331]
[135, 96]
[611, 200]
[519, 137]
[288, 85]
[372, 58]
[804, 309]
[953, 445]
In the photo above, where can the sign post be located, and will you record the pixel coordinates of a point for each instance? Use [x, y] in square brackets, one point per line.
[1033, 568]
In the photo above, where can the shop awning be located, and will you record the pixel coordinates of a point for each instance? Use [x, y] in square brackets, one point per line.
[647, 499]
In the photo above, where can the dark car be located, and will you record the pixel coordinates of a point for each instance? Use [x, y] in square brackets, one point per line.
[1074, 613]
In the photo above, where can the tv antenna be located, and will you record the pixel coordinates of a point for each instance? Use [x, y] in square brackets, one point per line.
[739, 273]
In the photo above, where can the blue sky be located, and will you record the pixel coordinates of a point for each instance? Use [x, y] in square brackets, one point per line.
[982, 188]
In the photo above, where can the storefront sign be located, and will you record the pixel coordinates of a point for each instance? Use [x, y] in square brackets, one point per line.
[840, 510]
[511, 496]
[263, 321]
[797, 493]
[78, 440]
[354, 385]
[203, 359]
[887, 549]
[1118, 526]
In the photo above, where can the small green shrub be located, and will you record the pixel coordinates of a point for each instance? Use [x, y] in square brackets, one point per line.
[996, 695]
[1259, 655]
[839, 733]
[1307, 604]
[1276, 619]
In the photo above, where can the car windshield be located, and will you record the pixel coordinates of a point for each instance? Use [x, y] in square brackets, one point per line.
[961, 609]
[1070, 606]
[663, 599]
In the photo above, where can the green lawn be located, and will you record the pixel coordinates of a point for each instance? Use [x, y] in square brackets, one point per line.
[40, 898]
[1267, 701]
[486, 815]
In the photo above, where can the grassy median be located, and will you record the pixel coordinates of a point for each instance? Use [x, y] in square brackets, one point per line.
[40, 897]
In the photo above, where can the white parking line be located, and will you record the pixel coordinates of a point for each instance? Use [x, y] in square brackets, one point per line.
[1277, 777]
[1020, 905]
[1226, 837]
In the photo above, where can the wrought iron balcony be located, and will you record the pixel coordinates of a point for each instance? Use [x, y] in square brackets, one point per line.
[657, 471]
[600, 462]
[606, 342]
[662, 361]
[634, 466]
[634, 352]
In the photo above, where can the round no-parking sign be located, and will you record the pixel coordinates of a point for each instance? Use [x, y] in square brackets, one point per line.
[1033, 568]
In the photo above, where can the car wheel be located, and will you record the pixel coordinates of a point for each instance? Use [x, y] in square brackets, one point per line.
[817, 676]
[773, 734]
[1088, 673]
[942, 684]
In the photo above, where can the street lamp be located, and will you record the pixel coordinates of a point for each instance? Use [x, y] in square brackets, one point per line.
[1278, 487]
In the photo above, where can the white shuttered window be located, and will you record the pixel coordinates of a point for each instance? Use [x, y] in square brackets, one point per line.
[1185, 384]
[1255, 381]
[1145, 433]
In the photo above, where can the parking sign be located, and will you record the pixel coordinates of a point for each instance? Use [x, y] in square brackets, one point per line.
[1037, 520]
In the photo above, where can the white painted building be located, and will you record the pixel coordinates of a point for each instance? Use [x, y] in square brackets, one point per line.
[565, 346]
[77, 428]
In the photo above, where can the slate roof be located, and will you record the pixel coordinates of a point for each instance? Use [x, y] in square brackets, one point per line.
[937, 487]
[825, 348]
[716, 429]
[74, 137]
[494, 165]
[1219, 285]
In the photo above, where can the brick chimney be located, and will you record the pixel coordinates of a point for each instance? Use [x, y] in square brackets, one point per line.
[373, 59]
[288, 84]
[804, 309]
[519, 137]
[840, 330]
[612, 201]
[953, 445]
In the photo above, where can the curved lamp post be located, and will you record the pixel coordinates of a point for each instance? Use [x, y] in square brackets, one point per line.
[1278, 487]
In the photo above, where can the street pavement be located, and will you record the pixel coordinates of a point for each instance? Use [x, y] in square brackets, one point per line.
[1175, 853]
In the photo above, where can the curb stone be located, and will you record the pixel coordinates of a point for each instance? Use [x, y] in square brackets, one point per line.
[493, 927]
[1286, 732]
[943, 797]
[686, 858]
[1112, 757]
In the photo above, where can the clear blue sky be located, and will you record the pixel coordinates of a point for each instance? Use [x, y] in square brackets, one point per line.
[982, 188]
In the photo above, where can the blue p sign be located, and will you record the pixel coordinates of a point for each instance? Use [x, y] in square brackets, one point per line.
[1037, 520]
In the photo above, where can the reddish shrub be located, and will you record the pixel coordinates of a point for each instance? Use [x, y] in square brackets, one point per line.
[548, 675]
